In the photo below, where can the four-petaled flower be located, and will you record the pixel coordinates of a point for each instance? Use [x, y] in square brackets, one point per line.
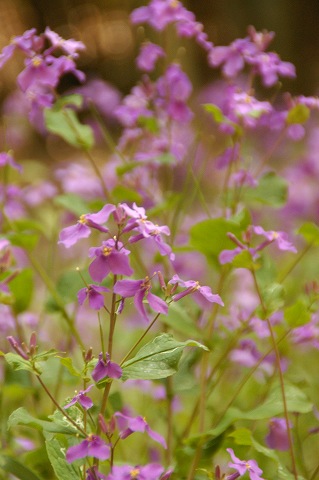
[106, 368]
[193, 286]
[152, 471]
[111, 257]
[243, 466]
[129, 425]
[280, 238]
[140, 290]
[82, 399]
[92, 446]
[94, 295]
[82, 229]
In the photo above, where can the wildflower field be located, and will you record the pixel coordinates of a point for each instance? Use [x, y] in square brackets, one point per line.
[159, 291]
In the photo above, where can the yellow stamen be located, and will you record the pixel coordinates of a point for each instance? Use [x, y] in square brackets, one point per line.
[106, 251]
[134, 473]
[83, 219]
[36, 61]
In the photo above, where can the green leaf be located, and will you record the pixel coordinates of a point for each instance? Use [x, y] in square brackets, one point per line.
[215, 112]
[124, 194]
[69, 283]
[63, 121]
[149, 123]
[63, 470]
[127, 167]
[157, 359]
[22, 417]
[271, 190]
[244, 260]
[68, 363]
[179, 320]
[297, 402]
[14, 467]
[219, 117]
[297, 314]
[75, 99]
[165, 158]
[71, 202]
[22, 288]
[17, 362]
[298, 114]
[210, 236]
[27, 240]
[310, 232]
[274, 297]
[241, 436]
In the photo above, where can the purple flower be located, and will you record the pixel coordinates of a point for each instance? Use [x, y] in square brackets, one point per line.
[93, 474]
[106, 368]
[140, 290]
[248, 109]
[94, 295]
[129, 425]
[82, 399]
[148, 56]
[270, 67]
[27, 42]
[193, 286]
[280, 238]
[152, 471]
[232, 58]
[7, 159]
[92, 446]
[70, 235]
[70, 47]
[160, 13]
[243, 466]
[174, 89]
[277, 437]
[111, 257]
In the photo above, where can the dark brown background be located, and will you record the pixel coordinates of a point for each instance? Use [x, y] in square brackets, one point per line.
[111, 43]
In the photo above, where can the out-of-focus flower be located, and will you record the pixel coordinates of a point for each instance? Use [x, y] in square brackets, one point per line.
[148, 56]
[7, 159]
[277, 437]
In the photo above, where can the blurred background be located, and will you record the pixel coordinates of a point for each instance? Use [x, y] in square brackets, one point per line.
[103, 25]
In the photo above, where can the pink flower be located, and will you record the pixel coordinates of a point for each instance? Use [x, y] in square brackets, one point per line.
[193, 286]
[129, 425]
[148, 56]
[82, 399]
[92, 446]
[243, 466]
[277, 437]
[140, 290]
[105, 368]
[110, 257]
[82, 229]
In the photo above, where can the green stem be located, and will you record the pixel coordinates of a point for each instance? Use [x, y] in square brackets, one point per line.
[284, 275]
[64, 413]
[140, 339]
[281, 377]
[51, 287]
